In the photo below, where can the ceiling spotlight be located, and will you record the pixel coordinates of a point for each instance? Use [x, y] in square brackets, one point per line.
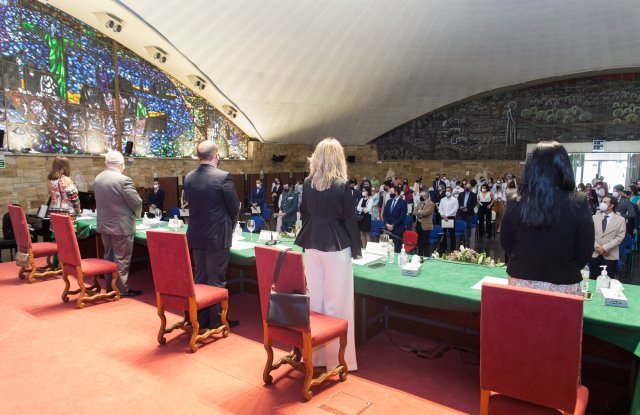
[157, 53]
[197, 81]
[110, 21]
[230, 111]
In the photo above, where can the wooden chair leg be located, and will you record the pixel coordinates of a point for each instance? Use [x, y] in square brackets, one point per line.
[223, 318]
[307, 357]
[67, 285]
[21, 273]
[193, 318]
[34, 270]
[163, 320]
[83, 290]
[484, 401]
[268, 367]
[343, 347]
[114, 285]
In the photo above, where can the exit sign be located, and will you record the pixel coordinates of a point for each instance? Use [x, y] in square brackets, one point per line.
[1, 161]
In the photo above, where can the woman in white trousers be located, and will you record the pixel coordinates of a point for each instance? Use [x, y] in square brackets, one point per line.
[330, 238]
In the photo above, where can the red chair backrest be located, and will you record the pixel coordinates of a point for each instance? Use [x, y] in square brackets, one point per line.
[170, 263]
[291, 277]
[68, 251]
[20, 227]
[531, 344]
[410, 240]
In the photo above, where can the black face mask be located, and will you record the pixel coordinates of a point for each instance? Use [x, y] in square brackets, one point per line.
[422, 198]
[286, 190]
[392, 195]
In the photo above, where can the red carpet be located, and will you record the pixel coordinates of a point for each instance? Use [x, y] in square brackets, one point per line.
[104, 359]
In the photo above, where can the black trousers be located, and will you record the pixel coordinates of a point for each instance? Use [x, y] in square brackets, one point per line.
[424, 249]
[211, 268]
[595, 270]
[484, 219]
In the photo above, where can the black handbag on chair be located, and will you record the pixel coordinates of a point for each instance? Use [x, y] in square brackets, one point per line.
[287, 309]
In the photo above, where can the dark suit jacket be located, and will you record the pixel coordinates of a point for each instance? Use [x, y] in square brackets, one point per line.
[328, 219]
[156, 198]
[213, 207]
[397, 216]
[471, 203]
[555, 254]
[258, 197]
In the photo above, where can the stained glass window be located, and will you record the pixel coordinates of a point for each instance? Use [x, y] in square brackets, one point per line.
[58, 93]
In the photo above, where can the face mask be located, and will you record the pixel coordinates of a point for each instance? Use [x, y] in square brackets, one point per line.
[286, 190]
[614, 193]
[448, 194]
[155, 186]
[422, 198]
[603, 206]
[258, 186]
[392, 195]
[364, 194]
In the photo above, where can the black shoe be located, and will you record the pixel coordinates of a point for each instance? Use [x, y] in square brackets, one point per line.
[131, 293]
[233, 323]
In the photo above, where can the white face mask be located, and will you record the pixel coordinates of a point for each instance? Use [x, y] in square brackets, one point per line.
[364, 194]
[155, 186]
[614, 193]
[603, 206]
[448, 194]
[258, 185]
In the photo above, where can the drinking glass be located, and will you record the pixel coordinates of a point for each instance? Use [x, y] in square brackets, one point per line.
[384, 240]
[251, 225]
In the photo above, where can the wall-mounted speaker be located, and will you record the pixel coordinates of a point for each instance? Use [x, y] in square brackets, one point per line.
[278, 158]
[351, 159]
[128, 148]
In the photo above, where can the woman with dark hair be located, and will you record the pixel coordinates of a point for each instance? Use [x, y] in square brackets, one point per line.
[363, 210]
[62, 191]
[485, 209]
[592, 197]
[547, 230]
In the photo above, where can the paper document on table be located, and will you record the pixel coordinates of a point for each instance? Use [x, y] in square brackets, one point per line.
[493, 280]
[366, 258]
[241, 245]
[267, 235]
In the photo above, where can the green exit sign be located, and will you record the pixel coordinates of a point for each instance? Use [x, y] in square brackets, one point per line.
[1, 161]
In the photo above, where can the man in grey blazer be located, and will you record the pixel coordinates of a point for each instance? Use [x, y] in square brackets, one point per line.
[118, 205]
[610, 229]
[213, 212]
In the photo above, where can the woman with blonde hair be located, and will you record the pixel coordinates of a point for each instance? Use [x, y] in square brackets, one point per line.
[62, 190]
[330, 238]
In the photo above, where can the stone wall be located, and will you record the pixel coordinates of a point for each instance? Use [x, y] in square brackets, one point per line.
[23, 180]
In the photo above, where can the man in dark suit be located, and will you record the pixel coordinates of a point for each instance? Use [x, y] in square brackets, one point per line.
[437, 183]
[258, 197]
[156, 199]
[213, 211]
[395, 212]
[117, 205]
[467, 202]
[276, 191]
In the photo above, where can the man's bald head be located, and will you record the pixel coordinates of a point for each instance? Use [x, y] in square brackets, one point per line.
[207, 151]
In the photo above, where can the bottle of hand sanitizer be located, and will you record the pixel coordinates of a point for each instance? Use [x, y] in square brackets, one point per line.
[403, 258]
[603, 281]
[145, 219]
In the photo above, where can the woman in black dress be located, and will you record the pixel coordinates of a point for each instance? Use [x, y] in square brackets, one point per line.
[363, 210]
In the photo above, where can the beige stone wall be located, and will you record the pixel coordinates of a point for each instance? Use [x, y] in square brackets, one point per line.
[23, 180]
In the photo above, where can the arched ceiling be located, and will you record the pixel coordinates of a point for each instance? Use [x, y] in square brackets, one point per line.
[301, 70]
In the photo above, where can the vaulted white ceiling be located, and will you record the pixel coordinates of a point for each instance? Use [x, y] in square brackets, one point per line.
[301, 70]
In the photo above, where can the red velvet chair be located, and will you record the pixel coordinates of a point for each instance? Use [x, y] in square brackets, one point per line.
[32, 249]
[72, 264]
[530, 350]
[322, 328]
[173, 280]
[410, 240]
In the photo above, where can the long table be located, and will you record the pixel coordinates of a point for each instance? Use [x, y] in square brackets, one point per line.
[448, 285]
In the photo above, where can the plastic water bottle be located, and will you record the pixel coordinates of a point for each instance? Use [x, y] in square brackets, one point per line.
[584, 284]
[145, 219]
[390, 253]
[175, 222]
[603, 281]
[403, 258]
[237, 233]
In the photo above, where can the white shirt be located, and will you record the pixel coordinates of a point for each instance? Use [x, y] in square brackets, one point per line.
[448, 206]
[486, 198]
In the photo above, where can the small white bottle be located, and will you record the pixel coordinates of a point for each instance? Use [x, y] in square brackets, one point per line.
[175, 222]
[145, 219]
[403, 258]
[603, 281]
[584, 284]
[237, 233]
[390, 253]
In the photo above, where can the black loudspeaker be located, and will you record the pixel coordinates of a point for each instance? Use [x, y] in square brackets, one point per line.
[128, 148]
[1, 138]
[351, 159]
[278, 158]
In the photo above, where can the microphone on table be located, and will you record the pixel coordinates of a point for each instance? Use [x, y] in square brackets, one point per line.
[385, 231]
[271, 241]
